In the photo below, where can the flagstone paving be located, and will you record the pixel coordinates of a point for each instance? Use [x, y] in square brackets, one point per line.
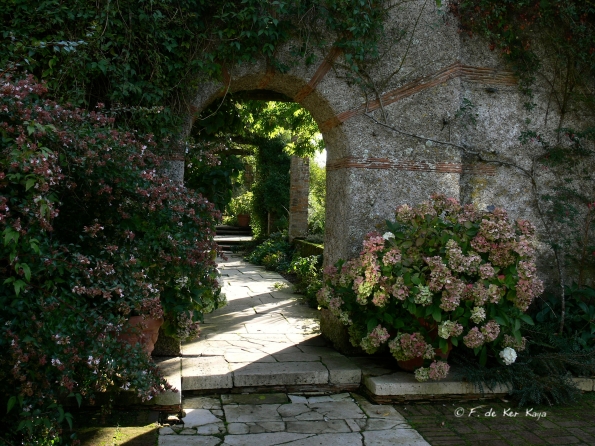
[265, 339]
[271, 419]
[265, 336]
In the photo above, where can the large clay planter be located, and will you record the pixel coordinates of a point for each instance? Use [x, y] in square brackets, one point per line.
[243, 220]
[411, 364]
[142, 330]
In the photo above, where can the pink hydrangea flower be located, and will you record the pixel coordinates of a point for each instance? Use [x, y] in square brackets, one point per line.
[490, 330]
[438, 370]
[474, 338]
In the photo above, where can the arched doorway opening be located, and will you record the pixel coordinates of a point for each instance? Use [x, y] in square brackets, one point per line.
[261, 143]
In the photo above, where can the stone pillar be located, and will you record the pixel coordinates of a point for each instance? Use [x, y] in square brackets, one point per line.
[174, 169]
[298, 197]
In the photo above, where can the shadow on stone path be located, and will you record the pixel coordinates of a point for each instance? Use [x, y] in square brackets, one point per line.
[265, 337]
[273, 419]
[264, 341]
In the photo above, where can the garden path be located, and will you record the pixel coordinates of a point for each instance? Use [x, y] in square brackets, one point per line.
[278, 418]
[265, 337]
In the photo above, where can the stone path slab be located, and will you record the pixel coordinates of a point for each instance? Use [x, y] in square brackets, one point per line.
[265, 337]
[273, 419]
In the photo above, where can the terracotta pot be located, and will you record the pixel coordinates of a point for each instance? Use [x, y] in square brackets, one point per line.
[411, 364]
[243, 220]
[142, 330]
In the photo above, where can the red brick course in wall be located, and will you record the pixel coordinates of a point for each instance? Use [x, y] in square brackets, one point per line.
[321, 71]
[489, 76]
[351, 162]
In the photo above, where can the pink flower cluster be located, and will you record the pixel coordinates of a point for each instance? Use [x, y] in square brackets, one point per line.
[380, 298]
[392, 257]
[443, 204]
[373, 243]
[459, 262]
[324, 295]
[448, 329]
[528, 286]
[486, 271]
[526, 227]
[452, 295]
[408, 346]
[440, 275]
[404, 213]
[490, 330]
[374, 339]
[474, 338]
[510, 341]
[438, 370]
[399, 289]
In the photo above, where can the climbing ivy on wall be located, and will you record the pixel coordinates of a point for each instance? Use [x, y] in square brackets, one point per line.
[271, 187]
[143, 59]
[565, 29]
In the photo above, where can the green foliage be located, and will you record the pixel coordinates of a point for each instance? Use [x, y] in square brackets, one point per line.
[275, 253]
[142, 59]
[566, 28]
[580, 313]
[241, 204]
[91, 234]
[317, 199]
[214, 182]
[542, 372]
[271, 187]
[238, 122]
[309, 277]
[441, 273]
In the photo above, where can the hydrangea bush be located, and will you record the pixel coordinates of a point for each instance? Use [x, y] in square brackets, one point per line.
[91, 234]
[441, 275]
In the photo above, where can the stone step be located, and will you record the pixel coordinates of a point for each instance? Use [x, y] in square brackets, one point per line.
[335, 373]
[230, 373]
[227, 242]
[232, 230]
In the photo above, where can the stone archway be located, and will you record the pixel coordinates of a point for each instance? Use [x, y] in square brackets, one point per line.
[363, 186]
[371, 168]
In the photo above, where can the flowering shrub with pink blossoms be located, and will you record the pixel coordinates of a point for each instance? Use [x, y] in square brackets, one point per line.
[441, 274]
[92, 233]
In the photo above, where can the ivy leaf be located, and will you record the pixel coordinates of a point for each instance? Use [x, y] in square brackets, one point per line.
[18, 286]
[26, 270]
[68, 417]
[11, 403]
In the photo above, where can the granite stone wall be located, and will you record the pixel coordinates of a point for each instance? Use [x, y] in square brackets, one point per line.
[438, 96]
